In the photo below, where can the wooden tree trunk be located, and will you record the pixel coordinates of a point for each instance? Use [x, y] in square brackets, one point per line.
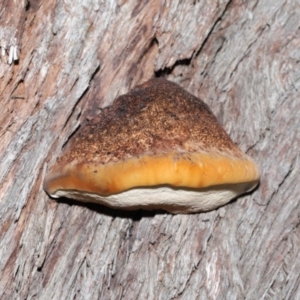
[240, 57]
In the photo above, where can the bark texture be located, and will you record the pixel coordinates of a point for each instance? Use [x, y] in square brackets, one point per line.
[240, 57]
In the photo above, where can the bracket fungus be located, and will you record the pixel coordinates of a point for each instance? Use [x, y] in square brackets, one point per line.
[157, 147]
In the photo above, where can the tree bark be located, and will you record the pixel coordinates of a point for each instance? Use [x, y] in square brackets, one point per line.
[240, 57]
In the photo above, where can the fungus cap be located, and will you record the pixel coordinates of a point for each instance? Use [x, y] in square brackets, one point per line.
[157, 147]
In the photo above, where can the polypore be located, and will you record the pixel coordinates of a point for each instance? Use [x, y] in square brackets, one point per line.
[157, 147]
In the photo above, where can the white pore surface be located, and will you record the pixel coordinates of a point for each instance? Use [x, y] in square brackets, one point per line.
[167, 198]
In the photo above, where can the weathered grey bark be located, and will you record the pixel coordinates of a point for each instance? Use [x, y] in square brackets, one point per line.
[240, 57]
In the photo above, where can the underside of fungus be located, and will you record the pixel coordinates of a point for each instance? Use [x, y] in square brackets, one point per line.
[157, 147]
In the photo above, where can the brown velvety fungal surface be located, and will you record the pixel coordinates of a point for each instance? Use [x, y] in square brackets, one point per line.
[155, 117]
